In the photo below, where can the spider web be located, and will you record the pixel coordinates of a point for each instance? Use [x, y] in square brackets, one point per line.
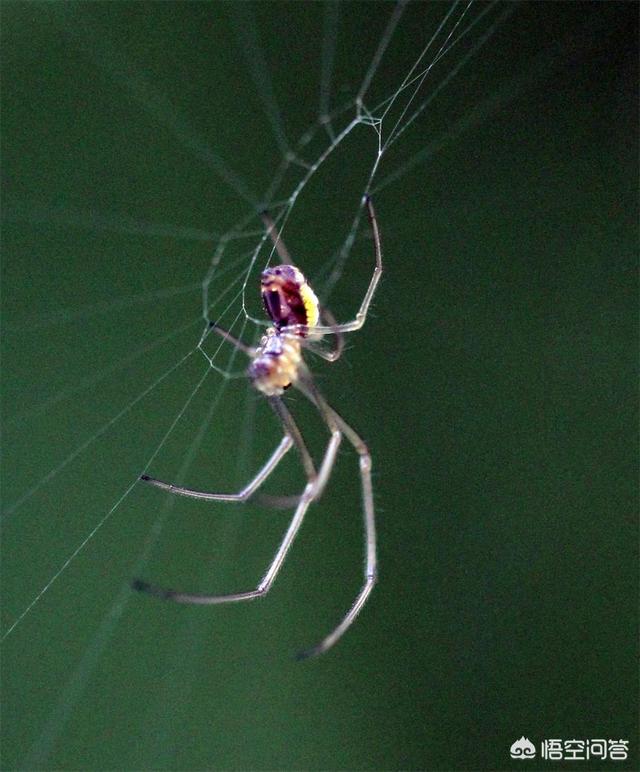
[243, 251]
[365, 128]
[351, 144]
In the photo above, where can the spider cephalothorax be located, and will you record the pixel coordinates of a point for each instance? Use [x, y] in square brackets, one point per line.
[276, 362]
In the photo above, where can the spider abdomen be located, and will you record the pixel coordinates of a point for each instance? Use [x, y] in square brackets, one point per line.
[276, 363]
[288, 299]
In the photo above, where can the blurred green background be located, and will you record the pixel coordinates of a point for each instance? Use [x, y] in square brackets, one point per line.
[494, 382]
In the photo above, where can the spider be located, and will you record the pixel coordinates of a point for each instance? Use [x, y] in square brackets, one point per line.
[276, 364]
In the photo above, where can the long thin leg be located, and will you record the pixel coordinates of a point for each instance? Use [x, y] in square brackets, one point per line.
[371, 563]
[244, 494]
[331, 355]
[287, 502]
[248, 350]
[263, 587]
[279, 502]
[361, 316]
[291, 428]
[292, 436]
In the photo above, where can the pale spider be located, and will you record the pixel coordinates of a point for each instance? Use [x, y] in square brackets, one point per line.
[276, 364]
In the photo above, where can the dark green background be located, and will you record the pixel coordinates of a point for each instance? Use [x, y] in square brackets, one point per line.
[494, 382]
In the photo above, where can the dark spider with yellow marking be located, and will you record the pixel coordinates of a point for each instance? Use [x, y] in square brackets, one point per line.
[276, 364]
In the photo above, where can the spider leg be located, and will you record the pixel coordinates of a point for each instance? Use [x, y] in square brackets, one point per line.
[248, 350]
[361, 316]
[286, 502]
[333, 419]
[333, 354]
[291, 428]
[244, 494]
[279, 502]
[292, 437]
[309, 494]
